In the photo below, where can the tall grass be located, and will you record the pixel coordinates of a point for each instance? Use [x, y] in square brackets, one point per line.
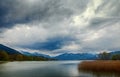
[100, 66]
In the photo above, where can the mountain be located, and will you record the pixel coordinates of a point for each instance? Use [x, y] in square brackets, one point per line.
[79, 56]
[65, 56]
[8, 49]
[114, 52]
[43, 55]
[35, 54]
[13, 51]
[9, 54]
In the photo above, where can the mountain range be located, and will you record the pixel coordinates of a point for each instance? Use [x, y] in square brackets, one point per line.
[35, 54]
[77, 56]
[64, 56]
[10, 54]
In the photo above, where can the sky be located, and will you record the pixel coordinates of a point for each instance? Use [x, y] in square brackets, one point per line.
[60, 26]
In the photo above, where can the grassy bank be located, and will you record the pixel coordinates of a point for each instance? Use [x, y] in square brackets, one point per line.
[100, 66]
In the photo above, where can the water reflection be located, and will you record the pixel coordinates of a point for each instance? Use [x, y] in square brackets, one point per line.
[39, 69]
[34, 73]
[48, 69]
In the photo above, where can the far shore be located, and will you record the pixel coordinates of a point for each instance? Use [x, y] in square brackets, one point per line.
[100, 66]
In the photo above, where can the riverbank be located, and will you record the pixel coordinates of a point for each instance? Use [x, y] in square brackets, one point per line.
[100, 66]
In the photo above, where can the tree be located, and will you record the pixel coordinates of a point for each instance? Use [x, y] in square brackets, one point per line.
[116, 57]
[104, 56]
[3, 56]
[19, 57]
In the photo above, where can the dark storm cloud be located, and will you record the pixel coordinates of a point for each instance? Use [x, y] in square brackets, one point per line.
[3, 11]
[20, 11]
[51, 44]
[42, 24]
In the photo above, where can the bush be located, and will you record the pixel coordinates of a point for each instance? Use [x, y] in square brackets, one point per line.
[3, 56]
[116, 57]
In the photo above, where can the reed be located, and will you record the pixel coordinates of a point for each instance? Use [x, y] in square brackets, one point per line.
[100, 66]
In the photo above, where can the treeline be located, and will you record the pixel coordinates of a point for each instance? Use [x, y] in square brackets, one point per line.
[4, 56]
[108, 56]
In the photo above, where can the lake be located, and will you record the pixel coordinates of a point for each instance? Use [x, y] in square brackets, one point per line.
[47, 69]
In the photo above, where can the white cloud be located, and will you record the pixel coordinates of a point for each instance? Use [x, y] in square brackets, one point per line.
[71, 46]
[94, 35]
[83, 19]
[92, 24]
[23, 34]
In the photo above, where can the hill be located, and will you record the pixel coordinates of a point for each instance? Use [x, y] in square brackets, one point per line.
[9, 54]
[9, 50]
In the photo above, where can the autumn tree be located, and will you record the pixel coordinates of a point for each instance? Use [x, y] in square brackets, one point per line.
[19, 57]
[3, 56]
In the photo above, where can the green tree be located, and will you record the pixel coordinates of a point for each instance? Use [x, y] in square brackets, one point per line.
[116, 57]
[104, 56]
[3, 56]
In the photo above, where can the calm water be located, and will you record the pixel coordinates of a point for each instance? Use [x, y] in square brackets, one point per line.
[47, 69]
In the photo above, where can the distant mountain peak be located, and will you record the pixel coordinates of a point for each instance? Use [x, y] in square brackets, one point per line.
[76, 56]
[34, 54]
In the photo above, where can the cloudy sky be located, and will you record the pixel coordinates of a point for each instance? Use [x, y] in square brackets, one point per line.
[60, 26]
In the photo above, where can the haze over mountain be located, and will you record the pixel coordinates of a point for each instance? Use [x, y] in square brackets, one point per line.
[55, 27]
[9, 54]
[64, 56]
[35, 54]
[71, 56]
